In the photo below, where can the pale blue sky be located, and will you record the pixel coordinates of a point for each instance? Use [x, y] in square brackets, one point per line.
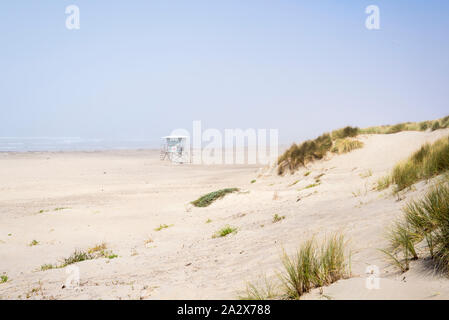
[138, 69]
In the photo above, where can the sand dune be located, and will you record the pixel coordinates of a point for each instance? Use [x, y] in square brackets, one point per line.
[121, 197]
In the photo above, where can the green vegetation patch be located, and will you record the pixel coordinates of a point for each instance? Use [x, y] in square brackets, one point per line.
[223, 232]
[96, 252]
[209, 198]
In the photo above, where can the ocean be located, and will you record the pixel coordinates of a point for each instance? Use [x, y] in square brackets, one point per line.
[41, 144]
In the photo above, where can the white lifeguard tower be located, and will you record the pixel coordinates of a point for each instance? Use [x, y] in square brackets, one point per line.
[174, 148]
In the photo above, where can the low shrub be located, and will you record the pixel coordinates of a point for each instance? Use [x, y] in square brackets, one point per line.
[208, 199]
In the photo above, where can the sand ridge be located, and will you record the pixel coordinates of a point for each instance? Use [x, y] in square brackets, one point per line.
[75, 200]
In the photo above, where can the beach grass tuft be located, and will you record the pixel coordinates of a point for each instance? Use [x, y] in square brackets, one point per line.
[313, 265]
[264, 289]
[223, 232]
[3, 278]
[346, 145]
[429, 161]
[424, 220]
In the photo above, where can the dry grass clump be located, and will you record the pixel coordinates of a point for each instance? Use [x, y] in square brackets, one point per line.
[425, 220]
[277, 218]
[98, 248]
[312, 266]
[207, 199]
[346, 145]
[427, 162]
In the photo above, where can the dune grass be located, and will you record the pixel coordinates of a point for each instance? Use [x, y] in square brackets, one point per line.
[312, 266]
[342, 140]
[408, 126]
[346, 145]
[261, 290]
[3, 278]
[383, 183]
[427, 162]
[308, 151]
[223, 232]
[299, 155]
[426, 219]
[33, 243]
[209, 198]
[345, 133]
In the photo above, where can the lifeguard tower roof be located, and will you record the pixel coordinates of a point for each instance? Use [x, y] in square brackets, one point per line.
[174, 137]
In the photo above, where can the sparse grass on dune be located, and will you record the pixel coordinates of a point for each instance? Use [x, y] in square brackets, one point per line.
[425, 220]
[427, 162]
[262, 290]
[75, 257]
[408, 126]
[209, 198]
[345, 133]
[98, 248]
[299, 155]
[383, 183]
[313, 185]
[96, 252]
[346, 145]
[312, 266]
[223, 232]
[342, 140]
[3, 278]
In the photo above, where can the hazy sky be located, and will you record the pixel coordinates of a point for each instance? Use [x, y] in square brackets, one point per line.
[138, 69]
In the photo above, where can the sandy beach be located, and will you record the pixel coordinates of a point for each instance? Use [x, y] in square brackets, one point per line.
[77, 200]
